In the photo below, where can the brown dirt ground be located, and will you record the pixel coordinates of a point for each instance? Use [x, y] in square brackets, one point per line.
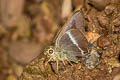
[25, 39]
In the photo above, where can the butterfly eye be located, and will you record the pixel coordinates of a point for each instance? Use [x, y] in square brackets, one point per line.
[51, 51]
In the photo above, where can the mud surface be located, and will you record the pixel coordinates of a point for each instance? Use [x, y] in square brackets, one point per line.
[24, 38]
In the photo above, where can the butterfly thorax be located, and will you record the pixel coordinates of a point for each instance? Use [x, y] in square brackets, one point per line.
[55, 54]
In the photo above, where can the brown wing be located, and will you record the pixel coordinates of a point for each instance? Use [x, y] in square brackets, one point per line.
[76, 21]
[73, 42]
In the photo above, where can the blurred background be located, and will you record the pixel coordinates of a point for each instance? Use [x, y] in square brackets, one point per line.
[26, 28]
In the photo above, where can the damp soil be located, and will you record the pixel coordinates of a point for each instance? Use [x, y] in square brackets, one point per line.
[23, 41]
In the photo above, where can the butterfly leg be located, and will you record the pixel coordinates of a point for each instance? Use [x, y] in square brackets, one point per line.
[48, 61]
[63, 62]
[69, 62]
[57, 62]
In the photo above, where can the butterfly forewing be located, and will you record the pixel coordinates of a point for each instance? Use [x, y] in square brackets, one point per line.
[73, 41]
[76, 21]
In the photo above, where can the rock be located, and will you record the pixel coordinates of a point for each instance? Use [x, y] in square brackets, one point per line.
[103, 42]
[99, 4]
[24, 52]
[103, 21]
[109, 9]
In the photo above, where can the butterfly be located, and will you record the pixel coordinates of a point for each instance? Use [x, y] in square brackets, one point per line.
[70, 43]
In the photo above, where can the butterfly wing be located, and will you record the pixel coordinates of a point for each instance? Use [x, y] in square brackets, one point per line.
[76, 21]
[73, 42]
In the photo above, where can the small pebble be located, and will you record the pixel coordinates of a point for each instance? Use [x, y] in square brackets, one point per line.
[109, 9]
[103, 42]
[103, 21]
[79, 66]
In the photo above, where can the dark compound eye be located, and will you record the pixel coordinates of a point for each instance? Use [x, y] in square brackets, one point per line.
[51, 51]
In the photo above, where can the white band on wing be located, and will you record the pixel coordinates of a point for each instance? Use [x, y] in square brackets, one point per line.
[74, 41]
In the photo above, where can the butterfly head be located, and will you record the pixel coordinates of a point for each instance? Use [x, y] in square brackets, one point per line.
[49, 51]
